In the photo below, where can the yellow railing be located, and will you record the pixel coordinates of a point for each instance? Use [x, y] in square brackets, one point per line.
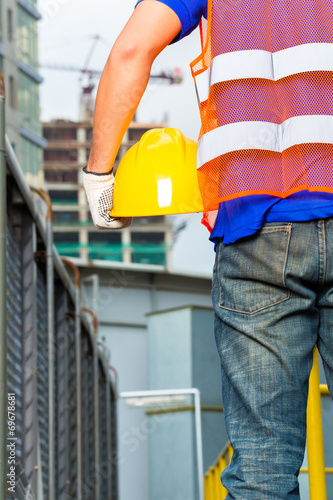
[315, 447]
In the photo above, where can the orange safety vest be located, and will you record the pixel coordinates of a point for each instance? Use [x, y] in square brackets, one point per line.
[264, 82]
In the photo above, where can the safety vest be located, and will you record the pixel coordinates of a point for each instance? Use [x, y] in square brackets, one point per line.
[264, 83]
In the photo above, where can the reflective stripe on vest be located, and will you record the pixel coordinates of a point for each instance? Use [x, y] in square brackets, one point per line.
[264, 82]
[262, 64]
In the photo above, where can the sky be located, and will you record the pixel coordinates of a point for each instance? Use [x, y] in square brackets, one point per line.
[65, 38]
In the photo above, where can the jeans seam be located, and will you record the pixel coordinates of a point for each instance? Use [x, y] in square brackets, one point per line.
[257, 310]
[324, 254]
[286, 257]
[218, 272]
[275, 229]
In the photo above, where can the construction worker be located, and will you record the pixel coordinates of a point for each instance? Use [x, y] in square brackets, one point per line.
[265, 86]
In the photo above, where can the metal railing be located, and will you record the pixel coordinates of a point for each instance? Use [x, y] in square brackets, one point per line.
[214, 490]
[62, 434]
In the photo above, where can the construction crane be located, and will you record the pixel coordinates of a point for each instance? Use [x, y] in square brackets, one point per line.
[89, 76]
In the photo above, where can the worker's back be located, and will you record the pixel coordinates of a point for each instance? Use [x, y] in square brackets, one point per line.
[264, 82]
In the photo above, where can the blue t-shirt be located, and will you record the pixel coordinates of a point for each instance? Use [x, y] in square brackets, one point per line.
[245, 215]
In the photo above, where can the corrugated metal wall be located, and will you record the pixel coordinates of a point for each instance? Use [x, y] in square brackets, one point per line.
[88, 434]
[38, 443]
[14, 318]
[43, 379]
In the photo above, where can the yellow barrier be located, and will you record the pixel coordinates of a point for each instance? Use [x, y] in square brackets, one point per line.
[315, 440]
[315, 447]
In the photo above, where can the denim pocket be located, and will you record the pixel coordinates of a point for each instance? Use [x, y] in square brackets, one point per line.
[251, 272]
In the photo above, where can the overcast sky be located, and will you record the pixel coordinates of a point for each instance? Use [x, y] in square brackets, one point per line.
[65, 38]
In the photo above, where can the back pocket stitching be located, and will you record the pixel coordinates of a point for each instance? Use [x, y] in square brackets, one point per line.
[287, 229]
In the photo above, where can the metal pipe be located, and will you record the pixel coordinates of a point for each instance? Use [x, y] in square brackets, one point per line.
[198, 428]
[96, 402]
[50, 302]
[115, 385]
[94, 317]
[76, 272]
[3, 300]
[176, 409]
[324, 390]
[315, 441]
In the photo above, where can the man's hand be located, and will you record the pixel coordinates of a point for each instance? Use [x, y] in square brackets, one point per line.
[99, 191]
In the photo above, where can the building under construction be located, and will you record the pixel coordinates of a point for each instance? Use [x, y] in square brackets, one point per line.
[148, 240]
[20, 65]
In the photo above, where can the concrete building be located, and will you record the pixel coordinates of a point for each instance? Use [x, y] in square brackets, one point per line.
[19, 63]
[148, 240]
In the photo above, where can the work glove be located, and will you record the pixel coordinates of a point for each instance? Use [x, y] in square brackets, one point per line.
[99, 191]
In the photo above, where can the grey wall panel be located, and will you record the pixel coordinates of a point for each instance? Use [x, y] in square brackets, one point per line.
[133, 456]
[169, 350]
[172, 456]
[129, 350]
[207, 378]
[182, 354]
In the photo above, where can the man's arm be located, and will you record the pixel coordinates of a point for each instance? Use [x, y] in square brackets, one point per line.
[152, 26]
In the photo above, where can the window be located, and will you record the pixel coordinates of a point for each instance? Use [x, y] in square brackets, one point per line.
[10, 25]
[60, 134]
[66, 238]
[65, 217]
[135, 134]
[148, 248]
[67, 243]
[31, 159]
[26, 35]
[12, 96]
[64, 197]
[106, 237]
[154, 219]
[58, 175]
[105, 246]
[147, 238]
[28, 98]
[66, 155]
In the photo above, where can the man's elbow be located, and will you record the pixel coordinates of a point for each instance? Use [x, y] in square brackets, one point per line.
[129, 51]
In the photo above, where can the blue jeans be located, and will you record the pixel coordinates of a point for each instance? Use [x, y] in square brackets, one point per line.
[273, 302]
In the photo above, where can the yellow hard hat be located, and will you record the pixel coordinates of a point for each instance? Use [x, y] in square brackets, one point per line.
[158, 176]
